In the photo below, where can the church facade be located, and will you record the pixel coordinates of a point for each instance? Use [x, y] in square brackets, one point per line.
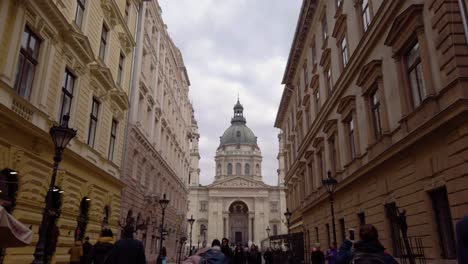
[238, 205]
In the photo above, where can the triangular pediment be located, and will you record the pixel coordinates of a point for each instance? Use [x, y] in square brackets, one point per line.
[238, 182]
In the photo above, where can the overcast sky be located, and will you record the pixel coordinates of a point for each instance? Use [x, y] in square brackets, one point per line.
[231, 47]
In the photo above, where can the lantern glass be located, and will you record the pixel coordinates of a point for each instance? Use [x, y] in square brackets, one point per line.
[288, 214]
[330, 183]
[62, 134]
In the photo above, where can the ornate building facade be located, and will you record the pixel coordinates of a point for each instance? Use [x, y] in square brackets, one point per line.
[158, 138]
[375, 92]
[238, 205]
[64, 58]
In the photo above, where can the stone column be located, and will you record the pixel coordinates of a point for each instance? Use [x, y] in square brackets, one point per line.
[251, 227]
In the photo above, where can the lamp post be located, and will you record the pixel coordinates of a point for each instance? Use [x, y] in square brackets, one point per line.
[268, 234]
[191, 221]
[61, 136]
[288, 215]
[164, 203]
[182, 242]
[330, 185]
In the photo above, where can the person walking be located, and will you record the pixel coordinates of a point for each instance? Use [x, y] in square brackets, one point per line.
[367, 250]
[76, 251]
[103, 247]
[254, 256]
[317, 256]
[238, 255]
[127, 249]
[268, 256]
[330, 254]
[462, 240]
[214, 255]
[87, 247]
[227, 251]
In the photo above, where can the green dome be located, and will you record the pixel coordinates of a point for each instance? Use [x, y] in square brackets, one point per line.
[238, 132]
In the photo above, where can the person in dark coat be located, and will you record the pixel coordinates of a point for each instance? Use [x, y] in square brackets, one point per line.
[369, 247]
[317, 256]
[238, 255]
[87, 247]
[101, 250]
[268, 256]
[254, 256]
[127, 249]
[462, 240]
[226, 249]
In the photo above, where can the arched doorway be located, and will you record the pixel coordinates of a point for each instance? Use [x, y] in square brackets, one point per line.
[82, 219]
[239, 223]
[8, 189]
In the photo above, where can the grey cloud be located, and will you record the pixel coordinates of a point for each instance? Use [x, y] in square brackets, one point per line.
[232, 46]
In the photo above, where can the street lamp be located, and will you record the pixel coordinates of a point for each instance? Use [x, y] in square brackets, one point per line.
[330, 184]
[191, 221]
[268, 234]
[164, 203]
[182, 242]
[288, 215]
[61, 136]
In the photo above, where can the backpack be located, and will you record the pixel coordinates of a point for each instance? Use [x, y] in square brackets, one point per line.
[213, 257]
[368, 258]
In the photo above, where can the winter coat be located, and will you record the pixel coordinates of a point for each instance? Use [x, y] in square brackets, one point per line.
[238, 256]
[330, 256]
[317, 257]
[227, 251]
[268, 256]
[213, 256]
[462, 240]
[127, 250]
[101, 250]
[76, 252]
[254, 257]
[345, 255]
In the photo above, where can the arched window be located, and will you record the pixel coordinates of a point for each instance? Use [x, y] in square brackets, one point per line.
[218, 170]
[257, 169]
[238, 169]
[8, 189]
[229, 168]
[83, 218]
[247, 169]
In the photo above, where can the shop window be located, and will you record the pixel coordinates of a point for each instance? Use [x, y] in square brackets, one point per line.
[443, 219]
[8, 189]
[341, 222]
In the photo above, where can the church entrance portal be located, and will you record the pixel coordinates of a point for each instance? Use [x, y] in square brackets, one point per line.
[239, 223]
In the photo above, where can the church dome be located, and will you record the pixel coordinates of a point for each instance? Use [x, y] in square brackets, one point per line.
[238, 132]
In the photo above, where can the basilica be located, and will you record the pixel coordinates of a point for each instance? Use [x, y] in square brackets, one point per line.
[238, 205]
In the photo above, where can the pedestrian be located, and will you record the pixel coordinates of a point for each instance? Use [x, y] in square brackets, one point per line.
[214, 255]
[462, 240]
[103, 247]
[127, 249]
[87, 247]
[317, 256]
[163, 256]
[367, 250]
[268, 256]
[76, 251]
[330, 254]
[227, 251]
[254, 256]
[238, 255]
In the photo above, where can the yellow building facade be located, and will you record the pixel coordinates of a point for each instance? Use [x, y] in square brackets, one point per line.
[56, 58]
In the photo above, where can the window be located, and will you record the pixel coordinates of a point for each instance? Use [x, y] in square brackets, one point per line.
[275, 230]
[317, 235]
[120, 69]
[443, 219]
[317, 101]
[93, 122]
[344, 52]
[67, 94]
[127, 11]
[113, 136]
[27, 63]
[238, 169]
[306, 76]
[314, 53]
[102, 47]
[202, 229]
[365, 14]
[333, 154]
[375, 110]
[229, 169]
[328, 80]
[247, 169]
[324, 28]
[352, 146]
[327, 228]
[274, 207]
[342, 229]
[321, 168]
[80, 9]
[415, 75]
[391, 211]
